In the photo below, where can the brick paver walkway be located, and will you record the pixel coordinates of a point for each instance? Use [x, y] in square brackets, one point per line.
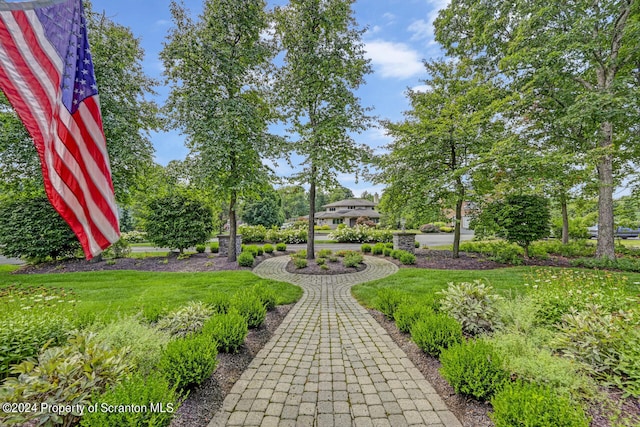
[331, 364]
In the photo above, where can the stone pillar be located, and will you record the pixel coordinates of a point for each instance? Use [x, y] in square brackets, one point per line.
[223, 240]
[404, 241]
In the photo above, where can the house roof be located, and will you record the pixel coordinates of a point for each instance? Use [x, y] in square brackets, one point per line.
[350, 202]
[348, 213]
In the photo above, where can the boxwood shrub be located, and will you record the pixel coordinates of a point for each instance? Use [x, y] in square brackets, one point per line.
[436, 332]
[227, 330]
[189, 361]
[473, 368]
[245, 259]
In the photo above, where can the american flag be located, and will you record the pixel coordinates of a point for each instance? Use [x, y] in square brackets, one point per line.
[47, 74]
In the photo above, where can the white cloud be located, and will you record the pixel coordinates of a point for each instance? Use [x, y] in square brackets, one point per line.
[163, 23]
[394, 59]
[421, 88]
[373, 30]
[390, 17]
[421, 30]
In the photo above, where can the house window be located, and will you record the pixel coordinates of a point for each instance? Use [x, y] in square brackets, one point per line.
[351, 207]
[337, 221]
[332, 209]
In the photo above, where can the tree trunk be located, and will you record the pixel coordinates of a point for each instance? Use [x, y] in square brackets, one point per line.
[526, 251]
[456, 230]
[312, 214]
[231, 256]
[606, 246]
[565, 218]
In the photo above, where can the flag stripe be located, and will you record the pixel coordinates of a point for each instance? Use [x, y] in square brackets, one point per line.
[71, 147]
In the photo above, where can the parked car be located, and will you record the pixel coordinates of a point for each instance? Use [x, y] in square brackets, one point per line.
[619, 232]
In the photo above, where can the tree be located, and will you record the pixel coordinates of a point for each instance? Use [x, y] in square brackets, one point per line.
[267, 210]
[127, 116]
[586, 48]
[520, 219]
[30, 228]
[324, 63]
[435, 151]
[178, 221]
[217, 67]
[295, 202]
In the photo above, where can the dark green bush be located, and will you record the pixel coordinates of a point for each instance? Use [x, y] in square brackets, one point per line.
[300, 262]
[268, 248]
[281, 247]
[622, 264]
[531, 405]
[389, 245]
[387, 301]
[136, 390]
[378, 249]
[178, 221]
[366, 248]
[387, 251]
[407, 258]
[252, 249]
[189, 361]
[200, 248]
[409, 312]
[228, 330]
[215, 247]
[395, 253]
[352, 259]
[473, 368]
[266, 295]
[250, 307]
[416, 244]
[245, 259]
[218, 301]
[30, 228]
[436, 332]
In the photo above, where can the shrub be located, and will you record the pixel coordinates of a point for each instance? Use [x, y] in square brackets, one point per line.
[259, 250]
[377, 249]
[409, 312]
[215, 247]
[219, 302]
[429, 228]
[324, 253]
[436, 332]
[252, 249]
[290, 236]
[352, 259]
[250, 307]
[227, 330]
[134, 236]
[300, 262]
[407, 258]
[535, 406]
[266, 295]
[65, 375]
[622, 264]
[395, 253]
[30, 228]
[189, 361]
[245, 259]
[299, 254]
[141, 344]
[281, 247]
[387, 251]
[200, 248]
[253, 233]
[119, 249]
[416, 244]
[178, 221]
[333, 258]
[389, 245]
[473, 368]
[387, 301]
[268, 248]
[137, 390]
[321, 261]
[366, 248]
[446, 229]
[23, 334]
[186, 320]
[360, 234]
[473, 305]
[608, 344]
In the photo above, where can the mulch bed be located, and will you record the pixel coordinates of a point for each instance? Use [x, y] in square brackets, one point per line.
[332, 268]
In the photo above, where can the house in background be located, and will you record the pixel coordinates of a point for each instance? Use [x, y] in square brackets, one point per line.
[347, 212]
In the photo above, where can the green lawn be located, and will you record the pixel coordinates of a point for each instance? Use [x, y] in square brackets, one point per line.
[422, 281]
[109, 294]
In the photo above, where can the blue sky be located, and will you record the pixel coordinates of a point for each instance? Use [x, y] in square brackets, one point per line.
[399, 36]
